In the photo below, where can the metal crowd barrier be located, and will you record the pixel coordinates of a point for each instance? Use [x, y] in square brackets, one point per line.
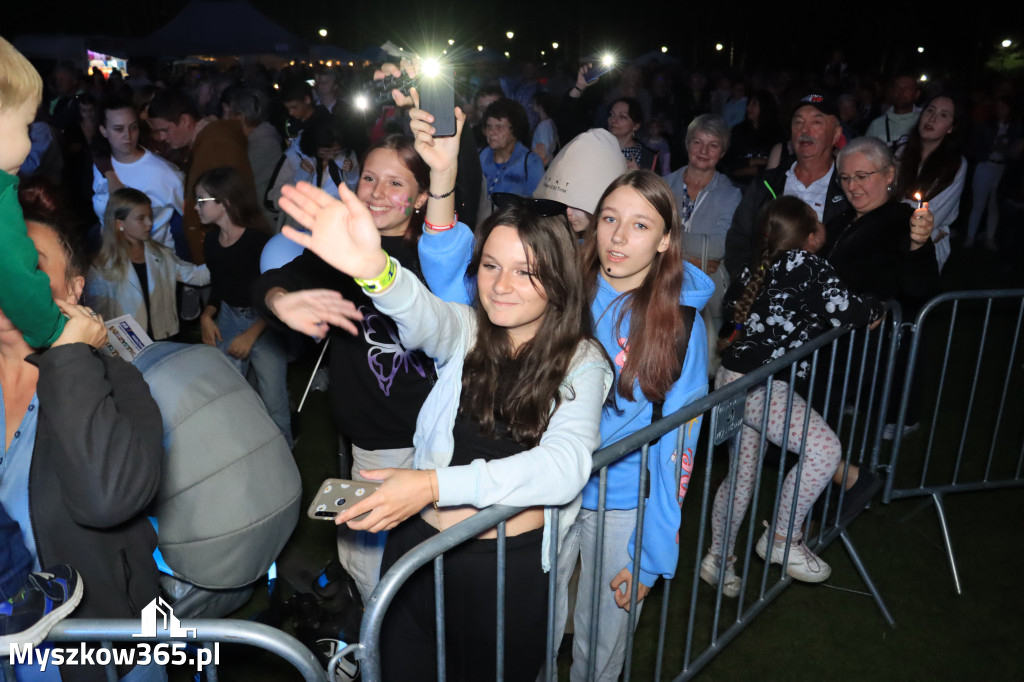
[848, 370]
[973, 442]
[206, 632]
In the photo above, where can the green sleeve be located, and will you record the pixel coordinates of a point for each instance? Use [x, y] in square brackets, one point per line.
[25, 296]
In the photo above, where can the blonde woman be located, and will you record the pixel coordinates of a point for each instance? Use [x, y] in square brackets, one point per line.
[135, 275]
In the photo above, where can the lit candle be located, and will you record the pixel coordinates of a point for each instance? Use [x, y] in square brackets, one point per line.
[917, 198]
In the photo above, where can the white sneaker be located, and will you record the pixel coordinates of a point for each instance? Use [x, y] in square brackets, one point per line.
[889, 430]
[803, 564]
[711, 568]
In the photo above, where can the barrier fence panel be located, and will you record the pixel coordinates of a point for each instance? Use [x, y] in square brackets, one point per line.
[844, 374]
[205, 632]
[965, 440]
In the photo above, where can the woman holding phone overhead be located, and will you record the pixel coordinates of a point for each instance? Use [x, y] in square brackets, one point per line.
[513, 419]
[378, 384]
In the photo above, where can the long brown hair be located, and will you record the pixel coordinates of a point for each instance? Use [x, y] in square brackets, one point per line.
[523, 389]
[656, 327]
[940, 168]
[784, 223]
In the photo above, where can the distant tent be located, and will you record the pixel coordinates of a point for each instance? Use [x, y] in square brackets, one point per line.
[221, 27]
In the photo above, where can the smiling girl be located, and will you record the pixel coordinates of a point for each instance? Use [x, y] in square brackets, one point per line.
[133, 274]
[377, 383]
[512, 419]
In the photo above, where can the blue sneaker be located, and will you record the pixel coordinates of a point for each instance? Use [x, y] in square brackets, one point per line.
[47, 597]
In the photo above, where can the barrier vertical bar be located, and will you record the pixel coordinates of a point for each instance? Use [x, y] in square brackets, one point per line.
[974, 390]
[667, 587]
[550, 652]
[499, 662]
[1006, 390]
[439, 616]
[634, 582]
[595, 601]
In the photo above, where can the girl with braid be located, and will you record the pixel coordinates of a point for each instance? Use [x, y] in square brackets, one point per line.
[784, 298]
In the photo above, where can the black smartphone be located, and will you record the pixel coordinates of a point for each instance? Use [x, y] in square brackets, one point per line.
[437, 97]
[598, 69]
[338, 494]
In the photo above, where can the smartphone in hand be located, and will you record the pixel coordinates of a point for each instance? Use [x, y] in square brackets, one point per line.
[338, 494]
[437, 97]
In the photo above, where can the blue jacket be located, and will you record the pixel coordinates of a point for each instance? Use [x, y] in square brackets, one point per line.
[661, 519]
[520, 174]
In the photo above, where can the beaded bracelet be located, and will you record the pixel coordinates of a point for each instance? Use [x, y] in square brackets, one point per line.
[442, 228]
[381, 281]
[441, 196]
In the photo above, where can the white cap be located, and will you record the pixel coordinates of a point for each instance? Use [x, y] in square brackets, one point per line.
[582, 170]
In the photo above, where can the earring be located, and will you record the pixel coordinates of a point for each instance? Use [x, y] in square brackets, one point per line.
[889, 188]
[121, 229]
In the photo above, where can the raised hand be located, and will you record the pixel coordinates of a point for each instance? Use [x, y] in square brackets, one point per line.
[342, 232]
[389, 69]
[440, 153]
[921, 225]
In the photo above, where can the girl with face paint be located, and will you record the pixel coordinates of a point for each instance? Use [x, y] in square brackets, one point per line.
[376, 384]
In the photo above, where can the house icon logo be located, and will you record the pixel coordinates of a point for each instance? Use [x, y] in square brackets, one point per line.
[156, 612]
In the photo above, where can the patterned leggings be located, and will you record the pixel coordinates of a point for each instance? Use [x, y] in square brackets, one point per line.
[821, 457]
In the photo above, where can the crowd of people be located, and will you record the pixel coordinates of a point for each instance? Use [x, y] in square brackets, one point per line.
[576, 261]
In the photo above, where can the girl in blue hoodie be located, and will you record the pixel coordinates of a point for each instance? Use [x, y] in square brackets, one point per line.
[640, 289]
[639, 284]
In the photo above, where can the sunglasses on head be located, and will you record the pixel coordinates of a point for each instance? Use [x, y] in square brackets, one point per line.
[542, 208]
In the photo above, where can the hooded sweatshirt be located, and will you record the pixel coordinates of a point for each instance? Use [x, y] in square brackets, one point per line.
[661, 519]
[443, 257]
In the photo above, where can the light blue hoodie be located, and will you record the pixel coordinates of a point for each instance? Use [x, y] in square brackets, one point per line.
[661, 519]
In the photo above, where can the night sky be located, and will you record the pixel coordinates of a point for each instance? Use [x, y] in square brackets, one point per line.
[877, 37]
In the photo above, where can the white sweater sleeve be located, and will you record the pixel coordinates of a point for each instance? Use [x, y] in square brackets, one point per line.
[555, 471]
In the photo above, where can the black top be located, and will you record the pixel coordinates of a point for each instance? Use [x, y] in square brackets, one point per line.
[872, 255]
[143, 274]
[470, 444]
[233, 269]
[377, 385]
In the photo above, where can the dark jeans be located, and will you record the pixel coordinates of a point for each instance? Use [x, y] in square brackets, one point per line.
[15, 561]
[409, 635]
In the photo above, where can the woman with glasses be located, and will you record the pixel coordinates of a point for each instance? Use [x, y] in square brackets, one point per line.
[377, 384]
[507, 164]
[135, 275]
[512, 419]
[871, 245]
[230, 321]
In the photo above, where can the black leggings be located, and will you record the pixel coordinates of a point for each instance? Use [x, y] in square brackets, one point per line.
[409, 635]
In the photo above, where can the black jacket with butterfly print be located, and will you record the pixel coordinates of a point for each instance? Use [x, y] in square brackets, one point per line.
[377, 386]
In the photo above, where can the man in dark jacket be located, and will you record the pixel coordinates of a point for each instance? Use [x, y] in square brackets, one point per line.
[811, 177]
